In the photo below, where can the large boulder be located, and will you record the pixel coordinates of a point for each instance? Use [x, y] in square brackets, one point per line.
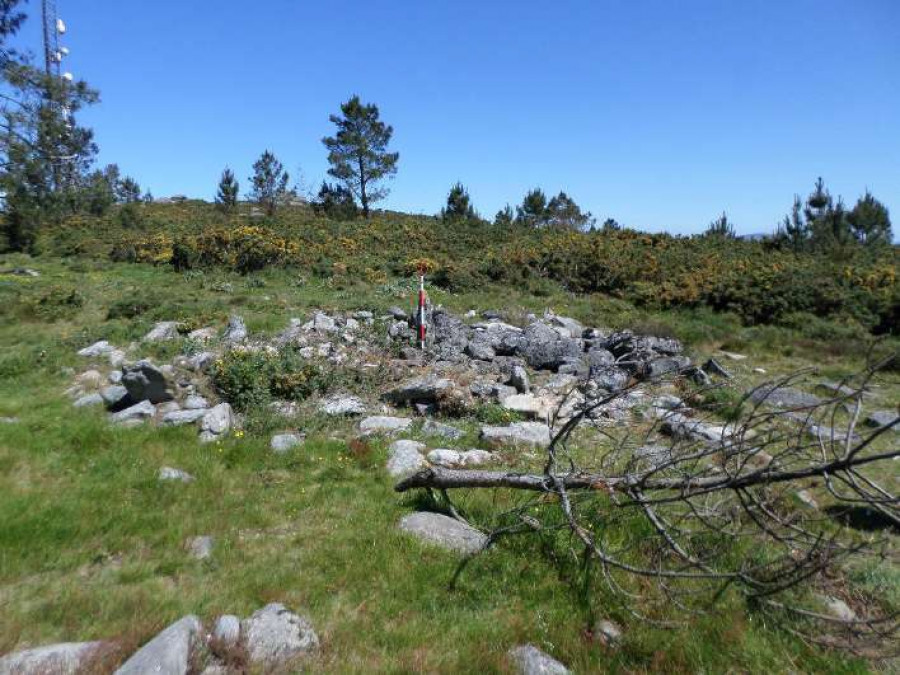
[216, 423]
[425, 389]
[784, 397]
[341, 405]
[139, 412]
[519, 433]
[169, 653]
[443, 531]
[609, 378]
[545, 348]
[146, 382]
[236, 331]
[449, 333]
[66, 658]
[163, 330]
[566, 326]
[529, 660]
[100, 348]
[275, 636]
[382, 424]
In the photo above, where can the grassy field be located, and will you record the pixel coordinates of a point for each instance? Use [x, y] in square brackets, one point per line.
[92, 545]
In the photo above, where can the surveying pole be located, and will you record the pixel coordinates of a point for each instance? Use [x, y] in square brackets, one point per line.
[421, 314]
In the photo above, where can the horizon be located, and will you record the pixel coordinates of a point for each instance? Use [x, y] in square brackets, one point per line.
[659, 117]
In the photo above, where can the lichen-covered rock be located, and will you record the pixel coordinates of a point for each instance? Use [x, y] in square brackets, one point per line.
[169, 653]
[524, 433]
[444, 531]
[275, 636]
[170, 474]
[529, 660]
[382, 424]
[405, 458]
[177, 418]
[66, 658]
[236, 331]
[425, 389]
[545, 348]
[216, 423]
[341, 405]
[163, 330]
[282, 443]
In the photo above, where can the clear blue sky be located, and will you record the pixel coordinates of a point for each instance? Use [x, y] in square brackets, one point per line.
[658, 113]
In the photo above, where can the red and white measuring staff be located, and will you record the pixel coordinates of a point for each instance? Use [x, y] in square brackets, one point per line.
[421, 310]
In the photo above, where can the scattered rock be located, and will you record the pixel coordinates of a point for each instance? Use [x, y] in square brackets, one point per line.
[164, 330]
[527, 433]
[444, 531]
[342, 405]
[89, 400]
[322, 323]
[22, 272]
[9, 420]
[236, 331]
[480, 350]
[732, 356]
[178, 418]
[839, 609]
[570, 327]
[518, 378]
[115, 397]
[425, 389]
[200, 548]
[460, 458]
[609, 633]
[146, 382]
[215, 423]
[227, 631]
[807, 499]
[384, 425]
[168, 653]
[405, 458]
[195, 402]
[397, 313]
[528, 405]
[836, 388]
[201, 360]
[529, 660]
[90, 379]
[432, 428]
[784, 397]
[67, 658]
[203, 334]
[882, 418]
[609, 378]
[168, 473]
[282, 443]
[136, 413]
[275, 636]
[667, 364]
[97, 349]
[545, 348]
[714, 367]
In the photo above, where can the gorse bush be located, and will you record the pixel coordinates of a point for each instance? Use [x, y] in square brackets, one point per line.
[250, 378]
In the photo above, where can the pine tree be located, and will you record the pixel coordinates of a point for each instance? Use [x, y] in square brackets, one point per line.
[128, 191]
[794, 230]
[533, 209]
[721, 227]
[270, 183]
[336, 202]
[870, 222]
[459, 206]
[504, 217]
[562, 211]
[227, 195]
[358, 152]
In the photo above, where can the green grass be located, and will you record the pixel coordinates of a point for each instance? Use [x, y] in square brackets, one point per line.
[92, 546]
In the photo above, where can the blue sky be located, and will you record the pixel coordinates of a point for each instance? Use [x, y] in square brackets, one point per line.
[660, 113]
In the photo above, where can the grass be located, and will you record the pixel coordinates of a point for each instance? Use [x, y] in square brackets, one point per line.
[92, 546]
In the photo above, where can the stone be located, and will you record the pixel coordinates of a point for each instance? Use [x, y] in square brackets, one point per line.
[425, 389]
[405, 458]
[839, 609]
[460, 458]
[432, 428]
[100, 348]
[285, 408]
[168, 407]
[168, 473]
[731, 356]
[682, 427]
[626, 343]
[784, 397]
[321, 323]
[667, 364]
[529, 660]
[116, 358]
[178, 418]
[203, 334]
[526, 433]
[92, 379]
[195, 402]
[200, 548]
[397, 313]
[89, 400]
[609, 633]
[570, 327]
[201, 360]
[518, 378]
[146, 382]
[382, 424]
[138, 412]
[282, 443]
[714, 367]
[164, 330]
[169, 653]
[275, 636]
[668, 402]
[364, 315]
[609, 378]
[653, 456]
[399, 330]
[806, 499]
[67, 658]
[9, 420]
[600, 358]
[448, 533]
[115, 377]
[21, 272]
[342, 405]
[882, 418]
[227, 631]
[215, 423]
[480, 350]
[527, 404]
[236, 330]
[544, 348]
